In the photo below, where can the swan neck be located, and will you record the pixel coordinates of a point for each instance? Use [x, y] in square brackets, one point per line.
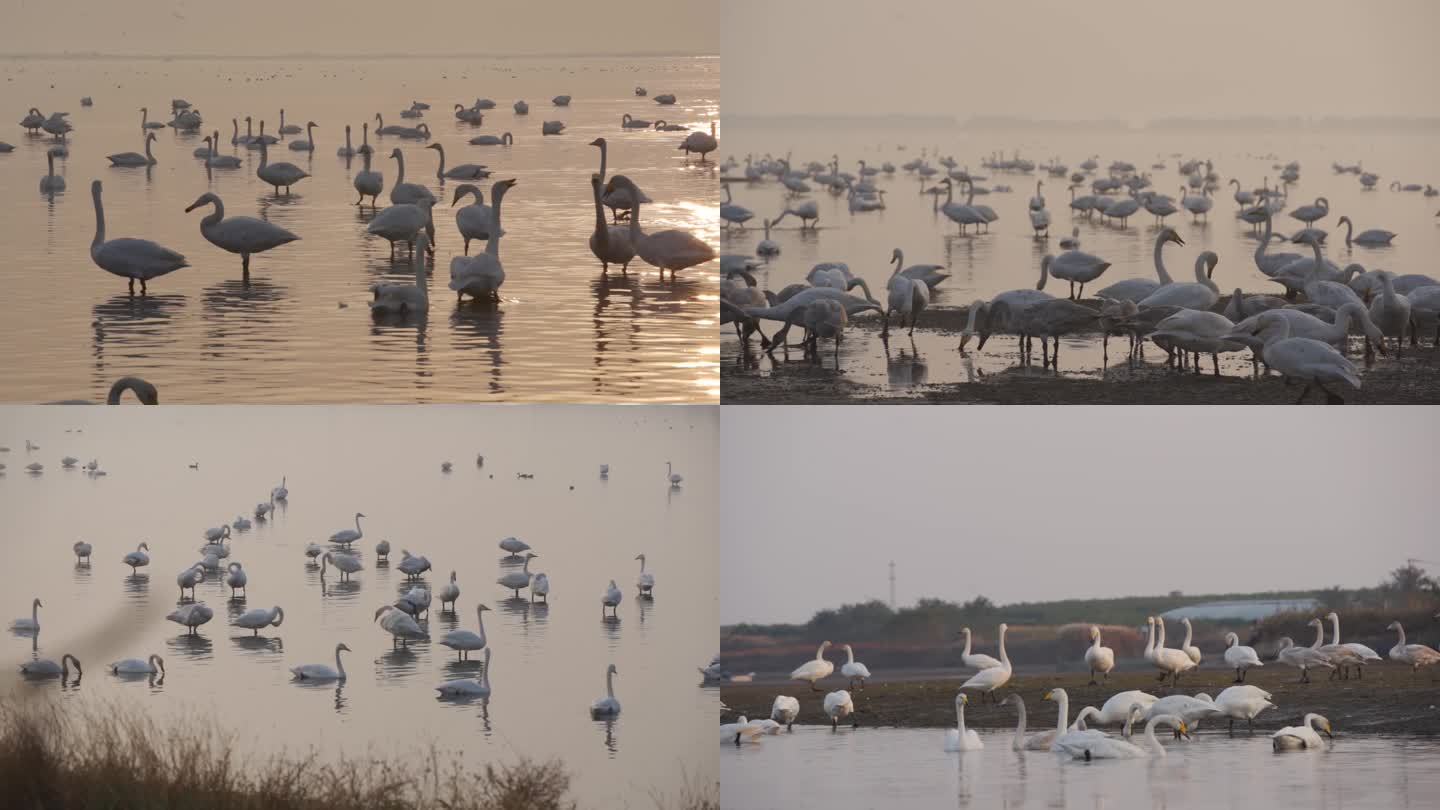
[602, 234]
[1004, 657]
[1063, 717]
[99, 222]
[339, 665]
[609, 684]
[1020, 726]
[1335, 619]
[1160, 261]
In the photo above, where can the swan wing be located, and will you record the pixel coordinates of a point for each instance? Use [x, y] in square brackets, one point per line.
[127, 256]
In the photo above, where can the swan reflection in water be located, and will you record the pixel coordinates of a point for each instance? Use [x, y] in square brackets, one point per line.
[341, 702]
[612, 744]
[259, 645]
[193, 646]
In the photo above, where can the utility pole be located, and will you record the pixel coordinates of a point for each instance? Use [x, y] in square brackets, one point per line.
[892, 584]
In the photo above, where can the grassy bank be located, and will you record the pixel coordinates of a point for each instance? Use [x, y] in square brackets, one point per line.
[54, 757]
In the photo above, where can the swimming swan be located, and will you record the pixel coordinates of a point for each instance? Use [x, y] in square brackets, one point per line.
[961, 738]
[322, 672]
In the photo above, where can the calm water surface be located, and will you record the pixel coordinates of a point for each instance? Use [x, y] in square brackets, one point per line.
[301, 331]
[899, 769]
[548, 662]
[1008, 257]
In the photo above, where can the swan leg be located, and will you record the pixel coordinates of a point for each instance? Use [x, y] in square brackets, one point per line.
[1303, 393]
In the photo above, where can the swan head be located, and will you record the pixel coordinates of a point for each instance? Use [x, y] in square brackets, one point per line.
[1313, 623]
[640, 557]
[1170, 235]
[897, 256]
[469, 188]
[611, 670]
[530, 555]
[37, 602]
[1055, 695]
[486, 607]
[381, 610]
[395, 153]
[1013, 699]
[1393, 626]
[1094, 631]
[961, 699]
[439, 146]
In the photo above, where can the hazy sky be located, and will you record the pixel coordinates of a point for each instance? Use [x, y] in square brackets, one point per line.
[1038, 503]
[1124, 58]
[158, 27]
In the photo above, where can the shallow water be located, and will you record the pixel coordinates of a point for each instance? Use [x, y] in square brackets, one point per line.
[897, 769]
[1008, 257]
[301, 330]
[548, 662]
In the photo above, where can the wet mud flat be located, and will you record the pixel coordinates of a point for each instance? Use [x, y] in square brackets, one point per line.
[1388, 700]
[1413, 378]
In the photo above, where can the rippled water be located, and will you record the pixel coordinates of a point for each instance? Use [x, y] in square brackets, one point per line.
[897, 769]
[1008, 257]
[301, 331]
[548, 661]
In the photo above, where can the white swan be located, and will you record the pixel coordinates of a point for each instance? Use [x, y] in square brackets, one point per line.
[1390, 311]
[1303, 736]
[400, 299]
[1416, 655]
[401, 626]
[464, 641]
[540, 586]
[838, 706]
[1185, 646]
[347, 150]
[137, 159]
[1375, 237]
[322, 672]
[345, 537]
[146, 123]
[1136, 289]
[476, 220]
[1365, 654]
[552, 127]
[645, 582]
[242, 235]
[1310, 213]
[986, 681]
[515, 580]
[814, 669]
[307, 145]
[607, 706]
[82, 550]
[347, 564]
[906, 296]
[138, 666]
[1034, 742]
[189, 578]
[854, 670]
[218, 161]
[1243, 703]
[741, 731]
[702, 143]
[44, 667]
[464, 171]
[1097, 658]
[1073, 266]
[277, 174]
[1168, 661]
[135, 259]
[191, 616]
[671, 249]
[138, 558]
[413, 566]
[1301, 358]
[611, 599]
[961, 738]
[469, 687]
[784, 710]
[382, 549]
[1239, 657]
[1302, 658]
[975, 660]
[32, 624]
[449, 592]
[1116, 709]
[402, 222]
[1190, 709]
[1202, 294]
[1104, 747]
[235, 577]
[610, 243]
[514, 545]
[254, 620]
[674, 478]
[493, 140]
[480, 276]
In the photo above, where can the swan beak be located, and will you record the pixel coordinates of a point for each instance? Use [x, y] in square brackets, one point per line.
[192, 206]
[1328, 732]
[1175, 237]
[1047, 696]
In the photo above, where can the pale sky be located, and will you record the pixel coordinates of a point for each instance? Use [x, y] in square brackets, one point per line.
[1066, 60]
[160, 27]
[1051, 502]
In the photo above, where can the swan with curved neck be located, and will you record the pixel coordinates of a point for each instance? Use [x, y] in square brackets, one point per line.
[322, 672]
[32, 624]
[609, 243]
[480, 276]
[464, 641]
[607, 706]
[986, 681]
[242, 235]
[44, 667]
[1137, 289]
[400, 299]
[976, 660]
[1105, 747]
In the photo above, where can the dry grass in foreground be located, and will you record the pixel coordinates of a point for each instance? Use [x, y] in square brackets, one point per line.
[51, 757]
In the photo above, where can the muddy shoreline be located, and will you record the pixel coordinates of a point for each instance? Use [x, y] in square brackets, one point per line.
[1388, 700]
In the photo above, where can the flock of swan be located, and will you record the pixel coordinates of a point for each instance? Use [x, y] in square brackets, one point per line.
[1302, 333]
[1182, 713]
[409, 215]
[405, 621]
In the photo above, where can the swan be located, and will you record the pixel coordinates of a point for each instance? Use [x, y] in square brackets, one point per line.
[515, 580]
[838, 705]
[1200, 295]
[1071, 242]
[645, 582]
[470, 115]
[381, 129]
[1104, 747]
[241, 523]
[561, 101]
[138, 558]
[961, 738]
[32, 120]
[493, 140]
[609, 243]
[1364, 654]
[1390, 311]
[1136, 289]
[1190, 709]
[382, 549]
[814, 669]
[345, 537]
[45, 667]
[768, 247]
[400, 625]
[347, 150]
[307, 145]
[1301, 358]
[1115, 710]
[242, 235]
[784, 711]
[1046, 318]
[346, 564]
[404, 193]
[51, 182]
[288, 129]
[514, 545]
[370, 183]
[520, 107]
[807, 212]
[640, 91]
[147, 159]
[322, 672]
[1073, 266]
[665, 99]
[416, 601]
[986, 681]
[469, 687]
[672, 249]
[264, 508]
[138, 666]
[1034, 742]
[480, 276]
[1099, 659]
[552, 127]
[1243, 703]
[191, 616]
[906, 296]
[1376, 237]
[540, 586]
[1301, 274]
[464, 171]
[628, 121]
[217, 161]
[607, 706]
[1239, 658]
[1168, 661]
[1271, 263]
[278, 174]
[82, 550]
[413, 566]
[1302, 658]
[235, 577]
[1185, 646]
[476, 220]
[675, 479]
[611, 599]
[464, 641]
[1303, 736]
[1416, 655]
[449, 592]
[254, 620]
[400, 299]
[621, 199]
[982, 318]
[976, 660]
[146, 123]
[701, 142]
[856, 671]
[1311, 213]
[32, 624]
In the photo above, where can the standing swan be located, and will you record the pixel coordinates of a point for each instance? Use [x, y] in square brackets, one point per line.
[402, 298]
[814, 669]
[137, 159]
[345, 537]
[515, 580]
[986, 681]
[673, 477]
[278, 174]
[322, 672]
[609, 243]
[607, 706]
[464, 641]
[449, 592]
[645, 582]
[611, 599]
[975, 660]
[1416, 655]
[137, 559]
[1099, 659]
[480, 276]
[235, 578]
[129, 258]
[1239, 657]
[242, 235]
[1137, 289]
[961, 738]
[254, 620]
[856, 671]
[369, 183]
[476, 220]
[671, 249]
